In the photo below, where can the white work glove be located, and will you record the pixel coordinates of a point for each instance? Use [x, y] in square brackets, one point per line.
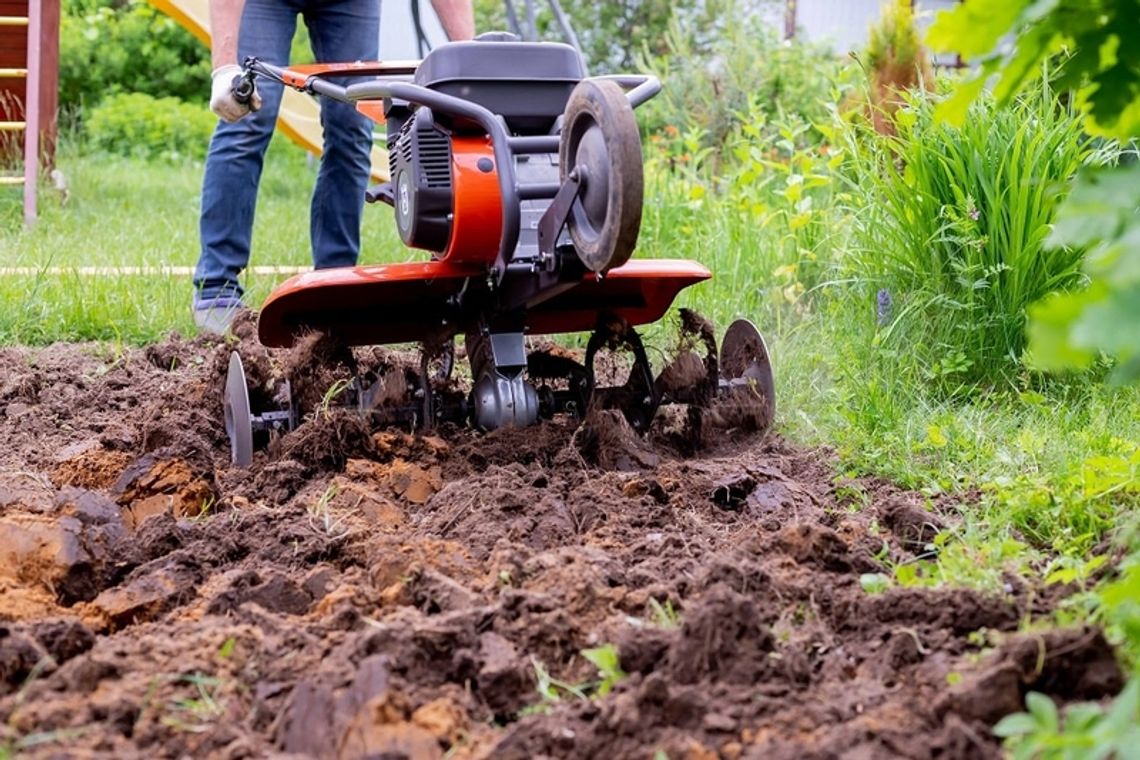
[223, 102]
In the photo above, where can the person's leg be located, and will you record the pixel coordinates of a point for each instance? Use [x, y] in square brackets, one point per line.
[234, 160]
[341, 30]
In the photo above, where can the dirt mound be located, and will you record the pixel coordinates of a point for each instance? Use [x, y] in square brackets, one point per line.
[562, 591]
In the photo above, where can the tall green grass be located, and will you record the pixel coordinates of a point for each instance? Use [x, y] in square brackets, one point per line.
[950, 231]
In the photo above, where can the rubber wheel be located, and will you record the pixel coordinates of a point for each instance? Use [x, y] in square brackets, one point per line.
[600, 138]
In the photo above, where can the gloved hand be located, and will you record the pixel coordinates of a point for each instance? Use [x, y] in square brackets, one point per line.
[223, 101]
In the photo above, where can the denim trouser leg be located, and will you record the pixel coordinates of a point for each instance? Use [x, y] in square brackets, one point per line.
[234, 160]
[341, 30]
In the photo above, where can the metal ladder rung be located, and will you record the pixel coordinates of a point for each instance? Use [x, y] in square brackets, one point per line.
[11, 126]
[13, 20]
[11, 179]
[14, 73]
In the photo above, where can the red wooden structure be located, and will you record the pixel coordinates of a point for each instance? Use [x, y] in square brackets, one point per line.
[29, 65]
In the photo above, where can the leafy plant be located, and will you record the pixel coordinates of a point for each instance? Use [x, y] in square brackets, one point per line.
[746, 76]
[896, 62]
[1069, 331]
[951, 223]
[1085, 732]
[1102, 68]
[1118, 607]
[1072, 510]
[1071, 569]
[109, 48]
[320, 514]
[550, 688]
[664, 614]
[612, 34]
[324, 409]
[197, 713]
[767, 199]
[140, 126]
[874, 583]
[608, 663]
[553, 690]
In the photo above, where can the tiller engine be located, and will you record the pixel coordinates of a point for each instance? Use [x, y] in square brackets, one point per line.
[523, 179]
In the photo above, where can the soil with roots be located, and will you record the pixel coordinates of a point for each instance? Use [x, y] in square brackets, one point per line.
[568, 590]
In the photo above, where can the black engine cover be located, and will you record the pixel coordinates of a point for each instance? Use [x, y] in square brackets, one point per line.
[419, 160]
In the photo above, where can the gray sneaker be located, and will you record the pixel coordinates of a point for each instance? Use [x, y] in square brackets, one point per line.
[215, 315]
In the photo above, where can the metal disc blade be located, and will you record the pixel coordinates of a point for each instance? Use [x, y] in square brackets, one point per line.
[235, 404]
[744, 355]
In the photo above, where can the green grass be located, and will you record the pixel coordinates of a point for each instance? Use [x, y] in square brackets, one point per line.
[1051, 475]
[957, 234]
[123, 213]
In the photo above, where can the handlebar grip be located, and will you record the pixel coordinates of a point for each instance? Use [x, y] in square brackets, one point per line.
[243, 88]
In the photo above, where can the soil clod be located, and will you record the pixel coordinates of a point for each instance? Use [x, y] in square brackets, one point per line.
[361, 592]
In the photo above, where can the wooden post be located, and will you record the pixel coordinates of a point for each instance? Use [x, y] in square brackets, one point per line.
[49, 79]
[29, 91]
[32, 112]
[790, 20]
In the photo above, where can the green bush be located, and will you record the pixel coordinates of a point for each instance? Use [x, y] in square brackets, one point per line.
[141, 126]
[746, 73]
[717, 58]
[950, 231]
[612, 35]
[107, 48]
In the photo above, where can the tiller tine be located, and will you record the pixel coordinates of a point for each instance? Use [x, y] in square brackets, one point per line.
[393, 396]
[242, 425]
[735, 383]
[746, 373]
[639, 397]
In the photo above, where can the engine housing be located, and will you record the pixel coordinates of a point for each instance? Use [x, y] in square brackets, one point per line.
[419, 159]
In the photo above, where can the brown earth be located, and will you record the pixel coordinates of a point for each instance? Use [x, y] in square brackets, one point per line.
[376, 594]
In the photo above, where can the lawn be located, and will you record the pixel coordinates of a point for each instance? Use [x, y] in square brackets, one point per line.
[132, 213]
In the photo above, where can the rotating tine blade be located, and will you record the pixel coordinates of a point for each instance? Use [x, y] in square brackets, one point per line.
[689, 379]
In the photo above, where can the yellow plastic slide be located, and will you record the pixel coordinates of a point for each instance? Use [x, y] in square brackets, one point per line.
[299, 117]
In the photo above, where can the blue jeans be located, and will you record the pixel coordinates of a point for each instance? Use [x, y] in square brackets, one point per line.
[340, 30]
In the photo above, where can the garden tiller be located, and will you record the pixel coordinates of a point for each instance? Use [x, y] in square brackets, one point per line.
[523, 179]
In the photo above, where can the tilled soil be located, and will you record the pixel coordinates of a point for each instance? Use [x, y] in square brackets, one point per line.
[361, 593]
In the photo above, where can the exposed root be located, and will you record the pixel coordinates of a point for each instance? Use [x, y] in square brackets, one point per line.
[328, 439]
[743, 410]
